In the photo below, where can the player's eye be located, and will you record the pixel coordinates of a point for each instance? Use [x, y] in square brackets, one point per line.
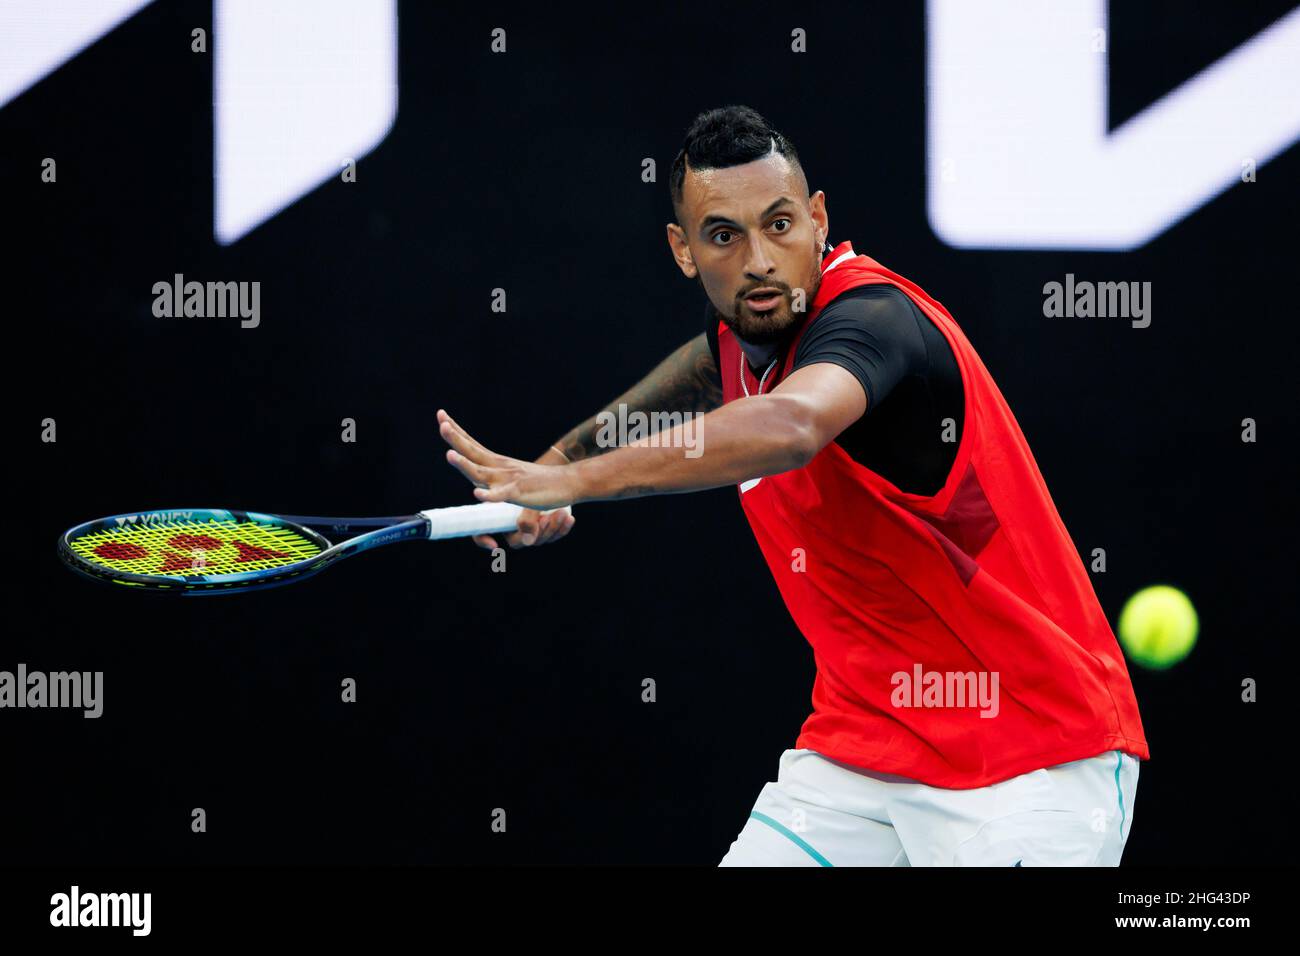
[722, 232]
[788, 224]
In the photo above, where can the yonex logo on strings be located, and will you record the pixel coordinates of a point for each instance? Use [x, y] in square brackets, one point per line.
[153, 516]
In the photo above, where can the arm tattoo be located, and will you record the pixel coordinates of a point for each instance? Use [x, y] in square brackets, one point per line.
[686, 381]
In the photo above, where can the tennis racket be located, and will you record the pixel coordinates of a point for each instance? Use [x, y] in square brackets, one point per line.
[209, 551]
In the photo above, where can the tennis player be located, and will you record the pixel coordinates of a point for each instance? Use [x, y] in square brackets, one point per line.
[971, 704]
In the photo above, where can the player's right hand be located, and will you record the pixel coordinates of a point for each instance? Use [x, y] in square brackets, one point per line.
[533, 528]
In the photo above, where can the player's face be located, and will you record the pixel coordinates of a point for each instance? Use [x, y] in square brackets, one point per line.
[755, 237]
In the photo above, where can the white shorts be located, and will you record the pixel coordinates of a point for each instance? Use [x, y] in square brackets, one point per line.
[820, 812]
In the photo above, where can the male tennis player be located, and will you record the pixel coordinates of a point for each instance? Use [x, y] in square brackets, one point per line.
[971, 705]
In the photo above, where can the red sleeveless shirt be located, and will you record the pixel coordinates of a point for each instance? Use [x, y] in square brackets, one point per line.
[913, 602]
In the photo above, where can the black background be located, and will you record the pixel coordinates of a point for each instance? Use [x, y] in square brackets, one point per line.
[522, 690]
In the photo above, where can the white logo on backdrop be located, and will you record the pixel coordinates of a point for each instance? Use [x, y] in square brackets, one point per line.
[1018, 155]
[300, 87]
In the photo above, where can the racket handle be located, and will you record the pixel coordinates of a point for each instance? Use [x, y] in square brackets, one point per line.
[463, 521]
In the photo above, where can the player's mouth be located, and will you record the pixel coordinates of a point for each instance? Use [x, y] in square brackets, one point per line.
[764, 300]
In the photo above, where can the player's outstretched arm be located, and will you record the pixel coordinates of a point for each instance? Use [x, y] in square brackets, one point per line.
[748, 438]
[686, 381]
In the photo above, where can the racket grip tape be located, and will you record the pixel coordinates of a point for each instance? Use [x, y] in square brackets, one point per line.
[463, 521]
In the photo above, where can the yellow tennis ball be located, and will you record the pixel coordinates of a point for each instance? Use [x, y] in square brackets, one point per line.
[1158, 626]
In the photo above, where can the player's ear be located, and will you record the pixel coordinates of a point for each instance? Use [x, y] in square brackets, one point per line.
[821, 222]
[681, 250]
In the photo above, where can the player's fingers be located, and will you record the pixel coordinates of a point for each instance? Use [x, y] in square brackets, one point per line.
[485, 541]
[463, 465]
[479, 475]
[529, 525]
[502, 492]
[545, 528]
[460, 440]
[552, 528]
[564, 524]
[476, 449]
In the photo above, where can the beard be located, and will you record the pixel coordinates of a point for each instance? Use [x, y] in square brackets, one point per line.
[772, 327]
[775, 326]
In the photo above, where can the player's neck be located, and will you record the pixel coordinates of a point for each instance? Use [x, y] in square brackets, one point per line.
[759, 356]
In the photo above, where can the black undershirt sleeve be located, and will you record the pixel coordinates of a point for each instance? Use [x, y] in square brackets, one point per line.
[871, 332]
[915, 400]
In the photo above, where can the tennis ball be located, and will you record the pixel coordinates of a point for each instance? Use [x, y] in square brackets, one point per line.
[1158, 626]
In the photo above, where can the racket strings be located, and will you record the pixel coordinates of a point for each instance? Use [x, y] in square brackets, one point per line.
[183, 547]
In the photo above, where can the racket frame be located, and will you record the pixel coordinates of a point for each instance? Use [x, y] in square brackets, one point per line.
[368, 533]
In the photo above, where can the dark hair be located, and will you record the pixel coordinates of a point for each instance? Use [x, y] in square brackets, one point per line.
[727, 136]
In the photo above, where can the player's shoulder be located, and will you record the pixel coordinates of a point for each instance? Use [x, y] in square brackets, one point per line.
[878, 305]
[879, 297]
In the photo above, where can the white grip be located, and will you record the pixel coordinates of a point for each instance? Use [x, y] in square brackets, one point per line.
[488, 517]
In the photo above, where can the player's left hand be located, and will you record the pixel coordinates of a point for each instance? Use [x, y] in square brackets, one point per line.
[498, 478]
